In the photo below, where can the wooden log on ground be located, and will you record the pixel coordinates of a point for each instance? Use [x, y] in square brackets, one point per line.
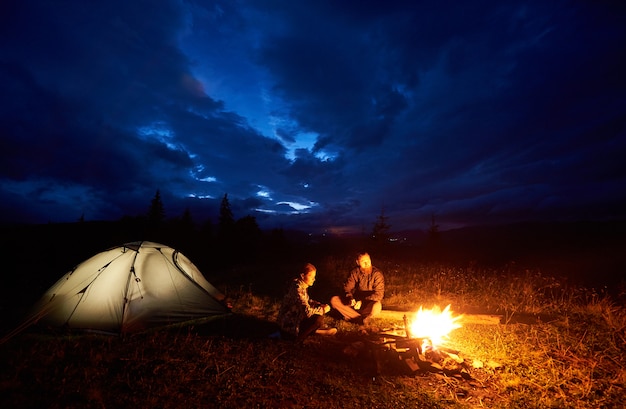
[484, 319]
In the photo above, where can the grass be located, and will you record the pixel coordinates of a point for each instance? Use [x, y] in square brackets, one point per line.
[559, 345]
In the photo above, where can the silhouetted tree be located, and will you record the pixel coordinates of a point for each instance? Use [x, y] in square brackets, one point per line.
[380, 231]
[156, 213]
[226, 220]
[247, 226]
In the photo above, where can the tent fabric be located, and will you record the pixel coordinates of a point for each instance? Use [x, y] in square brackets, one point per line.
[130, 288]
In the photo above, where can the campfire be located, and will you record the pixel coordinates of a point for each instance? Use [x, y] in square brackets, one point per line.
[432, 326]
[420, 345]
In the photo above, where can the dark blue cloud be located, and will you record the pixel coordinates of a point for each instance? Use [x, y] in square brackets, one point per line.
[314, 114]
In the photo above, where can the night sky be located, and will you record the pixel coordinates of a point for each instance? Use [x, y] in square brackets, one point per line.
[314, 114]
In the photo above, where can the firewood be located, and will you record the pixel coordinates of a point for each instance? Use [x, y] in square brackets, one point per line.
[483, 319]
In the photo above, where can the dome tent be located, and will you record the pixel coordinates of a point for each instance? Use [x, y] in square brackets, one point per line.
[130, 288]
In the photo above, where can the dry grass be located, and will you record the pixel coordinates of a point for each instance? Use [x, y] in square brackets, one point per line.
[558, 346]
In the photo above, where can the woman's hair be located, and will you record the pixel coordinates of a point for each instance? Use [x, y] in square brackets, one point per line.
[308, 267]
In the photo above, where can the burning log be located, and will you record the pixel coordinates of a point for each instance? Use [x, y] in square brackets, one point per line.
[419, 346]
[411, 356]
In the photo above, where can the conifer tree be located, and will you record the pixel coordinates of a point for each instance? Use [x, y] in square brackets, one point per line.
[156, 214]
[226, 220]
[380, 232]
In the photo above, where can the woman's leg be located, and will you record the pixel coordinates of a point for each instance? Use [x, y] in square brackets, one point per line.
[309, 325]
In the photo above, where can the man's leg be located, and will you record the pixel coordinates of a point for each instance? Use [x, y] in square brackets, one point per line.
[346, 311]
[370, 309]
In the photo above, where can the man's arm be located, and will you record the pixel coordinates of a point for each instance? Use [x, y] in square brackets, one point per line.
[350, 285]
[378, 286]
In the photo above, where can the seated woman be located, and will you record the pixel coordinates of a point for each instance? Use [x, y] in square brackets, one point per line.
[299, 316]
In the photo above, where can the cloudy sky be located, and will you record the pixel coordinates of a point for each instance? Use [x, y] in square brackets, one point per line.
[316, 114]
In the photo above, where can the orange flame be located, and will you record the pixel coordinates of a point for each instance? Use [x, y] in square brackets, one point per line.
[434, 324]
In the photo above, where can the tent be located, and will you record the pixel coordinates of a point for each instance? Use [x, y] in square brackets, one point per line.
[130, 288]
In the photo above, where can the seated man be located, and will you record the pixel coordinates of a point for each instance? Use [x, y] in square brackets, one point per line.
[363, 292]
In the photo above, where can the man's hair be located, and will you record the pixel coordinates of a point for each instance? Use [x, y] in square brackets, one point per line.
[361, 253]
